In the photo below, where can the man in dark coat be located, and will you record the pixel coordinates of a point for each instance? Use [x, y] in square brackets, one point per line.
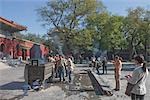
[104, 64]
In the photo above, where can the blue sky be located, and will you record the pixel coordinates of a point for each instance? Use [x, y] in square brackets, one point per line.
[120, 7]
[23, 11]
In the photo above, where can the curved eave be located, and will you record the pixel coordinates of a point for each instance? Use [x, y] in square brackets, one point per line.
[14, 27]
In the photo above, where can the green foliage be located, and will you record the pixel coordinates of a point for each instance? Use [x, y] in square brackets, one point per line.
[68, 17]
[108, 30]
[136, 29]
[113, 34]
[83, 40]
[84, 23]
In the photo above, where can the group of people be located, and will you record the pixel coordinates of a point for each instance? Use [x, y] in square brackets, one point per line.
[63, 67]
[97, 63]
[137, 79]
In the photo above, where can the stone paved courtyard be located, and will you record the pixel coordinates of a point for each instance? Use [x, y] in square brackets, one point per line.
[11, 82]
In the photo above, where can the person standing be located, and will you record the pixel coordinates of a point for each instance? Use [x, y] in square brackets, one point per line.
[118, 66]
[98, 64]
[65, 65]
[138, 78]
[57, 58]
[52, 60]
[69, 68]
[61, 68]
[81, 59]
[104, 64]
[93, 63]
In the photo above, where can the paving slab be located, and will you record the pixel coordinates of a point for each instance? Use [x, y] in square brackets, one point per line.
[11, 82]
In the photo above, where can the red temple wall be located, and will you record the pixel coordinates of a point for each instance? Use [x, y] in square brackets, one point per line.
[11, 47]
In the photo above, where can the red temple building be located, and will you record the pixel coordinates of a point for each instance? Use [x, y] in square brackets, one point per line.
[16, 47]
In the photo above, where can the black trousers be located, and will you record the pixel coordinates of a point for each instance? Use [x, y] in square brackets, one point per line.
[104, 69]
[137, 97]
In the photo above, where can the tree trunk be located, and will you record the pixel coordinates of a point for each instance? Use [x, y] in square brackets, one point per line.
[67, 48]
[145, 50]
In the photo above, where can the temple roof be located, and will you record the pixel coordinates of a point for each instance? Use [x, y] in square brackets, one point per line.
[10, 26]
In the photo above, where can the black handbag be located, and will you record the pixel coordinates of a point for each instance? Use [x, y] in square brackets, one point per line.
[129, 89]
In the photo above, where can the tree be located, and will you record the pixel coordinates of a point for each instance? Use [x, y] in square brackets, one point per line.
[113, 35]
[108, 30]
[97, 23]
[83, 41]
[145, 30]
[136, 30]
[68, 17]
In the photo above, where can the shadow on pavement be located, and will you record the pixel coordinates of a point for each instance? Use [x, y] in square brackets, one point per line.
[15, 85]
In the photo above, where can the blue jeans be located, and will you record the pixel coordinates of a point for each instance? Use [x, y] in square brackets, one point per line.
[69, 74]
[61, 73]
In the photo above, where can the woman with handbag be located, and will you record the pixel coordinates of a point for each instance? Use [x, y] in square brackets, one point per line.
[138, 79]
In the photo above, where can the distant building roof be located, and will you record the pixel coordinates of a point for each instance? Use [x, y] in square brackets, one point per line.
[11, 25]
[24, 40]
